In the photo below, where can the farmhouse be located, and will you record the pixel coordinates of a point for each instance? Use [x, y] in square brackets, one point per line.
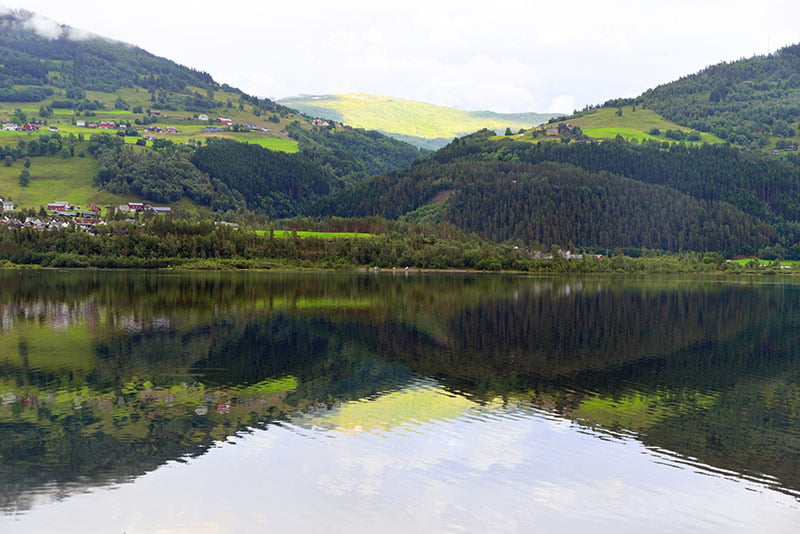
[202, 117]
[107, 124]
[7, 205]
[172, 129]
[224, 121]
[80, 123]
[61, 205]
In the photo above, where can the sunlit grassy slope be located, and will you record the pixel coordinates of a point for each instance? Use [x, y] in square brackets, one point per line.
[409, 120]
[54, 178]
[605, 123]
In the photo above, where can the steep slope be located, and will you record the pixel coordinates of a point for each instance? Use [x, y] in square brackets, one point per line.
[424, 125]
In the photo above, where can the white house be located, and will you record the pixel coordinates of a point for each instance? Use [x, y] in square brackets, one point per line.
[202, 117]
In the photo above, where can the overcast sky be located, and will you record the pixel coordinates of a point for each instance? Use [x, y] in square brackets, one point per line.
[506, 56]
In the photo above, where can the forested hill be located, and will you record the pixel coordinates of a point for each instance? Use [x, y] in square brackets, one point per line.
[72, 59]
[605, 194]
[751, 102]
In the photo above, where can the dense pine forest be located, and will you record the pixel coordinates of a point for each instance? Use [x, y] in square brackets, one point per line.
[594, 195]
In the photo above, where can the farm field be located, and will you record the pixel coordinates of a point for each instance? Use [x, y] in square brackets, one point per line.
[54, 178]
[604, 123]
[320, 235]
[782, 263]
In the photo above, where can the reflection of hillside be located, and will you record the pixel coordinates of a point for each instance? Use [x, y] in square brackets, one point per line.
[105, 376]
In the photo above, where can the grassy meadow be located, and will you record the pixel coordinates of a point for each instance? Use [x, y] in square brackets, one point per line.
[604, 123]
[54, 178]
[319, 235]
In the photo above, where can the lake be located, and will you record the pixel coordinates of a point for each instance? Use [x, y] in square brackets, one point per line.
[148, 402]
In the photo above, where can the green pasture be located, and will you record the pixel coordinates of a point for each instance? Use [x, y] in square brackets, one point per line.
[277, 144]
[612, 133]
[604, 123]
[320, 235]
[54, 178]
[783, 263]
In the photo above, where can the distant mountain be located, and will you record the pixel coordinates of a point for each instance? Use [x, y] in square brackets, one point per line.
[424, 125]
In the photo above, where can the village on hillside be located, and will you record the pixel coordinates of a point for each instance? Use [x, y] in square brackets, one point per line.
[62, 215]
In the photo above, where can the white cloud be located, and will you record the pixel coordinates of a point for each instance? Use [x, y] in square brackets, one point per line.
[519, 55]
[43, 26]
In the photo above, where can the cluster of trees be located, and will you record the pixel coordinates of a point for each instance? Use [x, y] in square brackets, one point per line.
[352, 154]
[159, 176]
[42, 145]
[28, 94]
[274, 183]
[164, 242]
[559, 203]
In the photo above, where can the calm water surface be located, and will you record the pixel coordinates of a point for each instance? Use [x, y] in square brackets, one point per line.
[145, 402]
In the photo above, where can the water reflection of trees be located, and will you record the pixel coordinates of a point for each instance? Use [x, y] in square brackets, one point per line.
[229, 343]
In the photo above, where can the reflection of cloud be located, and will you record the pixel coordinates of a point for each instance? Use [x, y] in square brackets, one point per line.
[433, 479]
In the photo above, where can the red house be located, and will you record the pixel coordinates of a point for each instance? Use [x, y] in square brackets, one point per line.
[224, 121]
[58, 206]
[107, 124]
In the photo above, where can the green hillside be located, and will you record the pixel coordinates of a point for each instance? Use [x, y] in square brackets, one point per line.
[65, 92]
[752, 102]
[424, 125]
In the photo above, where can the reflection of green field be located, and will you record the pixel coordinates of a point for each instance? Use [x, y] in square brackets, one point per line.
[408, 407]
[320, 303]
[638, 411]
[45, 348]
